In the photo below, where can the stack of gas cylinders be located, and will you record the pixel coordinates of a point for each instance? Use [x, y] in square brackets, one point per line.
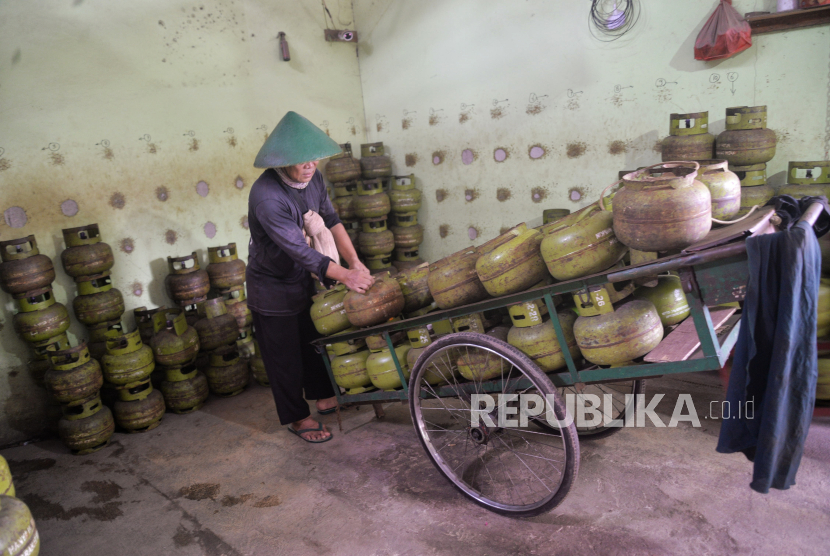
[126, 362]
[379, 210]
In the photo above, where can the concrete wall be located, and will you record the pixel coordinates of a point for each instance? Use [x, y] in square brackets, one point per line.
[124, 108]
[442, 77]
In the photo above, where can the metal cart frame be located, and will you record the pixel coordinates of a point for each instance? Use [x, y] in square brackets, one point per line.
[710, 277]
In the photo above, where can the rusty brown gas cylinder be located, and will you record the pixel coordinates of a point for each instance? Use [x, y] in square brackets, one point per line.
[85, 253]
[24, 268]
[662, 207]
[689, 138]
[380, 303]
[40, 317]
[97, 301]
[513, 266]
[225, 269]
[217, 327]
[73, 375]
[144, 322]
[453, 281]
[746, 140]
[343, 167]
[186, 281]
[140, 415]
[237, 304]
[227, 373]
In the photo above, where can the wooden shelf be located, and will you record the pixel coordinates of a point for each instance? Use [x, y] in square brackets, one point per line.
[785, 21]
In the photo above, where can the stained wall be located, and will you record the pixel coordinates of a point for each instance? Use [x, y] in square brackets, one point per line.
[569, 111]
[145, 117]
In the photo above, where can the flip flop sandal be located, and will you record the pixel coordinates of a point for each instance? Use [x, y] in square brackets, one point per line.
[328, 411]
[319, 428]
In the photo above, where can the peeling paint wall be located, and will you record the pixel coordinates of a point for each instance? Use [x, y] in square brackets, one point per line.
[517, 102]
[145, 117]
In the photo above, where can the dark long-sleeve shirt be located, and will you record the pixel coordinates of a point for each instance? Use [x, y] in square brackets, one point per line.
[280, 262]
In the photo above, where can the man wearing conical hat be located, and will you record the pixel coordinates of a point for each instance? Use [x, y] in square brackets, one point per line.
[296, 237]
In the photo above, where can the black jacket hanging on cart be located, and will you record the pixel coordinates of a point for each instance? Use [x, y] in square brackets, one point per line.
[775, 360]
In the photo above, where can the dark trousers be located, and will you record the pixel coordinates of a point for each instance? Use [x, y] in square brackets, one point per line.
[291, 363]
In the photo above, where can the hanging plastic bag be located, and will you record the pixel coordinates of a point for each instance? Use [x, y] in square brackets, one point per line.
[725, 34]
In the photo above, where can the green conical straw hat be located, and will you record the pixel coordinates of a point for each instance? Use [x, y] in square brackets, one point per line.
[295, 140]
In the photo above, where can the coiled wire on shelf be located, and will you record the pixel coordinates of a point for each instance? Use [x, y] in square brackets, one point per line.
[611, 19]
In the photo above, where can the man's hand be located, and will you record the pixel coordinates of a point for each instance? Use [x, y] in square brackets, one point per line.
[358, 279]
[357, 265]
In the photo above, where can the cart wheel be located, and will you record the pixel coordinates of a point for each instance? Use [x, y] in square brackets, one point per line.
[618, 392]
[513, 470]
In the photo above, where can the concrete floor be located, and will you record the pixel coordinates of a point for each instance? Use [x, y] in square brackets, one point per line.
[229, 480]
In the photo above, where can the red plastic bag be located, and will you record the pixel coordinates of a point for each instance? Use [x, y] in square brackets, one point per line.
[726, 33]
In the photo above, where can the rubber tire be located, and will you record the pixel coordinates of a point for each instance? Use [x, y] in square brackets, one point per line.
[543, 383]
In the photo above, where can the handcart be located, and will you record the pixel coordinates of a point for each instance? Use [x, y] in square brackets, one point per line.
[527, 470]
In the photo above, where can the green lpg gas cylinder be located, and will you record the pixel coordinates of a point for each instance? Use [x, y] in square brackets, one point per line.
[18, 534]
[185, 390]
[724, 187]
[752, 196]
[375, 240]
[373, 161]
[24, 268]
[97, 300]
[453, 281]
[225, 269]
[415, 287]
[227, 373]
[581, 244]
[350, 372]
[6, 483]
[382, 370]
[668, 298]
[73, 375]
[407, 237]
[174, 343]
[404, 196]
[372, 201]
[746, 140]
[40, 363]
[186, 281]
[632, 330]
[140, 415]
[750, 176]
[328, 312]
[40, 317]
[88, 434]
[216, 327]
[343, 167]
[381, 302]
[478, 364]
[662, 207]
[689, 137]
[513, 266]
[540, 343]
[127, 361]
[85, 253]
